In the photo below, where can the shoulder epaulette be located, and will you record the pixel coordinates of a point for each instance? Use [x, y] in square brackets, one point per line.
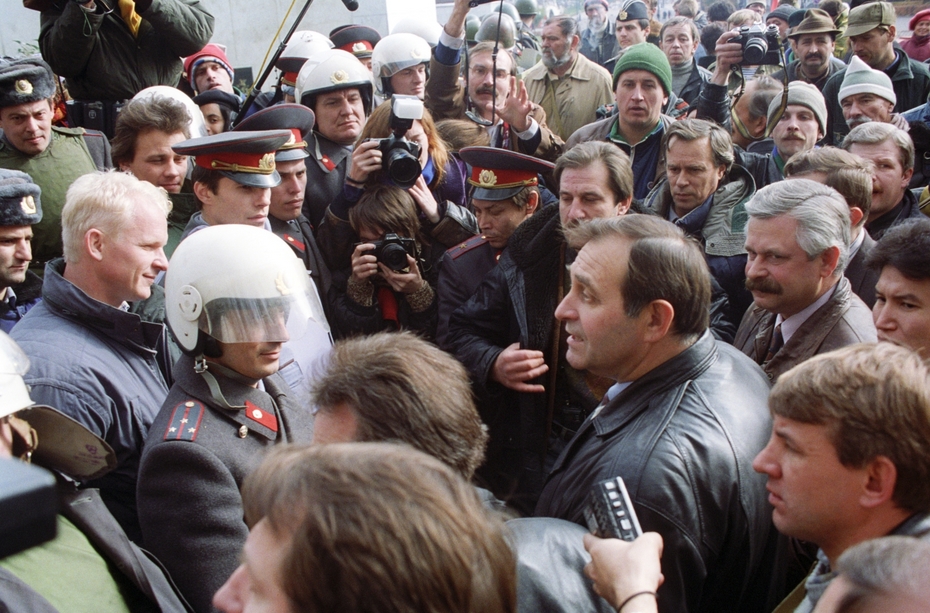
[469, 245]
[185, 421]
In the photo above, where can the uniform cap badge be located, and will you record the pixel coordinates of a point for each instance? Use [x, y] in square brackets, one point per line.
[28, 205]
[340, 76]
[23, 87]
[486, 178]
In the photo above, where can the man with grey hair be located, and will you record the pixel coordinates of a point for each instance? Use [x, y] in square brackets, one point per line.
[566, 84]
[797, 241]
[703, 193]
[92, 358]
[891, 150]
[884, 574]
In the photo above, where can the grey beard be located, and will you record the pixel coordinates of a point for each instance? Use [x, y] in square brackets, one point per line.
[551, 62]
[852, 122]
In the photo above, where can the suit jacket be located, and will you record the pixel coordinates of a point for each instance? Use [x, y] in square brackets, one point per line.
[193, 466]
[862, 279]
[843, 320]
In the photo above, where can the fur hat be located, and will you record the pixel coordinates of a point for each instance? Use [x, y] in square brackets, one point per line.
[26, 80]
[19, 199]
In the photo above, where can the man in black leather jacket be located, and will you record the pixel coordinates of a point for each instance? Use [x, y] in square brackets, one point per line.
[683, 421]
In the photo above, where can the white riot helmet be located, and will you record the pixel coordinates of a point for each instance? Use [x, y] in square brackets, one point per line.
[14, 394]
[238, 284]
[395, 53]
[337, 70]
[426, 29]
[302, 46]
[198, 127]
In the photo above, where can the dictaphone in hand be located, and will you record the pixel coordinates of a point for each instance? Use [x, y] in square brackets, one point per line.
[610, 511]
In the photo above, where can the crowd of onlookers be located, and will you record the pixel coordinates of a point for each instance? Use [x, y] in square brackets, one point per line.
[367, 336]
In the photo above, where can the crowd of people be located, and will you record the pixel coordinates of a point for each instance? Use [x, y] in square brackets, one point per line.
[367, 339]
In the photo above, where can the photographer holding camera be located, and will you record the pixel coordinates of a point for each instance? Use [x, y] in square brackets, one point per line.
[391, 284]
[400, 146]
[795, 125]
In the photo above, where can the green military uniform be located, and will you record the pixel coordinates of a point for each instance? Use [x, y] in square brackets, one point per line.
[67, 157]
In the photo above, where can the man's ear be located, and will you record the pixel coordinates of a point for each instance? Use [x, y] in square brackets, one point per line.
[855, 215]
[531, 203]
[624, 206]
[660, 314]
[831, 257]
[881, 477]
[203, 193]
[94, 241]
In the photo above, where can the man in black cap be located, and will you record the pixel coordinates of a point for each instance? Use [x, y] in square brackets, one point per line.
[218, 108]
[356, 39]
[233, 176]
[20, 208]
[53, 156]
[631, 28]
[814, 41]
[287, 198]
[505, 195]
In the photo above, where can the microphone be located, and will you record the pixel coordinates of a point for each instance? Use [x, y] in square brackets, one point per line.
[352, 5]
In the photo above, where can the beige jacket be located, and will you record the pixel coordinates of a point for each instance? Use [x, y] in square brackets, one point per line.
[577, 94]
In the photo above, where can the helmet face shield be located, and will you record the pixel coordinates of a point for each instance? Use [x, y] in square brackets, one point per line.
[14, 395]
[265, 320]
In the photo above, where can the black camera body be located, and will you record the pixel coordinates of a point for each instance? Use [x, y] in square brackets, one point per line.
[400, 160]
[392, 251]
[761, 45]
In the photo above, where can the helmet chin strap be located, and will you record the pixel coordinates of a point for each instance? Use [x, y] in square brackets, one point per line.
[201, 368]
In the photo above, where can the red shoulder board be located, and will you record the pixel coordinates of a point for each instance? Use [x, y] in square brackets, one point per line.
[294, 242]
[265, 418]
[185, 421]
[469, 245]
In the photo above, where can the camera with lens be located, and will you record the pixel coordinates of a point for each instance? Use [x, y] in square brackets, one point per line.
[761, 45]
[400, 158]
[392, 251]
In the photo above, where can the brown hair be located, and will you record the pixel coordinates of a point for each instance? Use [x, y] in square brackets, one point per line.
[378, 527]
[875, 400]
[158, 113]
[389, 381]
[664, 264]
[848, 174]
[461, 133]
[387, 208]
[379, 126]
[690, 130]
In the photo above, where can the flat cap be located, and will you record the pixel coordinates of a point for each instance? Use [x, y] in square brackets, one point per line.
[25, 80]
[218, 96]
[20, 204]
[245, 157]
[294, 117]
[499, 174]
[867, 17]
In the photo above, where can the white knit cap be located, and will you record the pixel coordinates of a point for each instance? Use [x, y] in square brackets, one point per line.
[860, 79]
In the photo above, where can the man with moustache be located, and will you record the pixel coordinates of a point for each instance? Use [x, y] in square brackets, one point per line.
[814, 39]
[598, 43]
[867, 95]
[490, 95]
[797, 241]
[799, 127]
[566, 84]
[872, 32]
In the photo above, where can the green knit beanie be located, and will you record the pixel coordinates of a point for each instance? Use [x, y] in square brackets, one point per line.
[648, 57]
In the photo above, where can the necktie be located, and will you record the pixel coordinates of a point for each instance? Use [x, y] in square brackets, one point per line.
[777, 341]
